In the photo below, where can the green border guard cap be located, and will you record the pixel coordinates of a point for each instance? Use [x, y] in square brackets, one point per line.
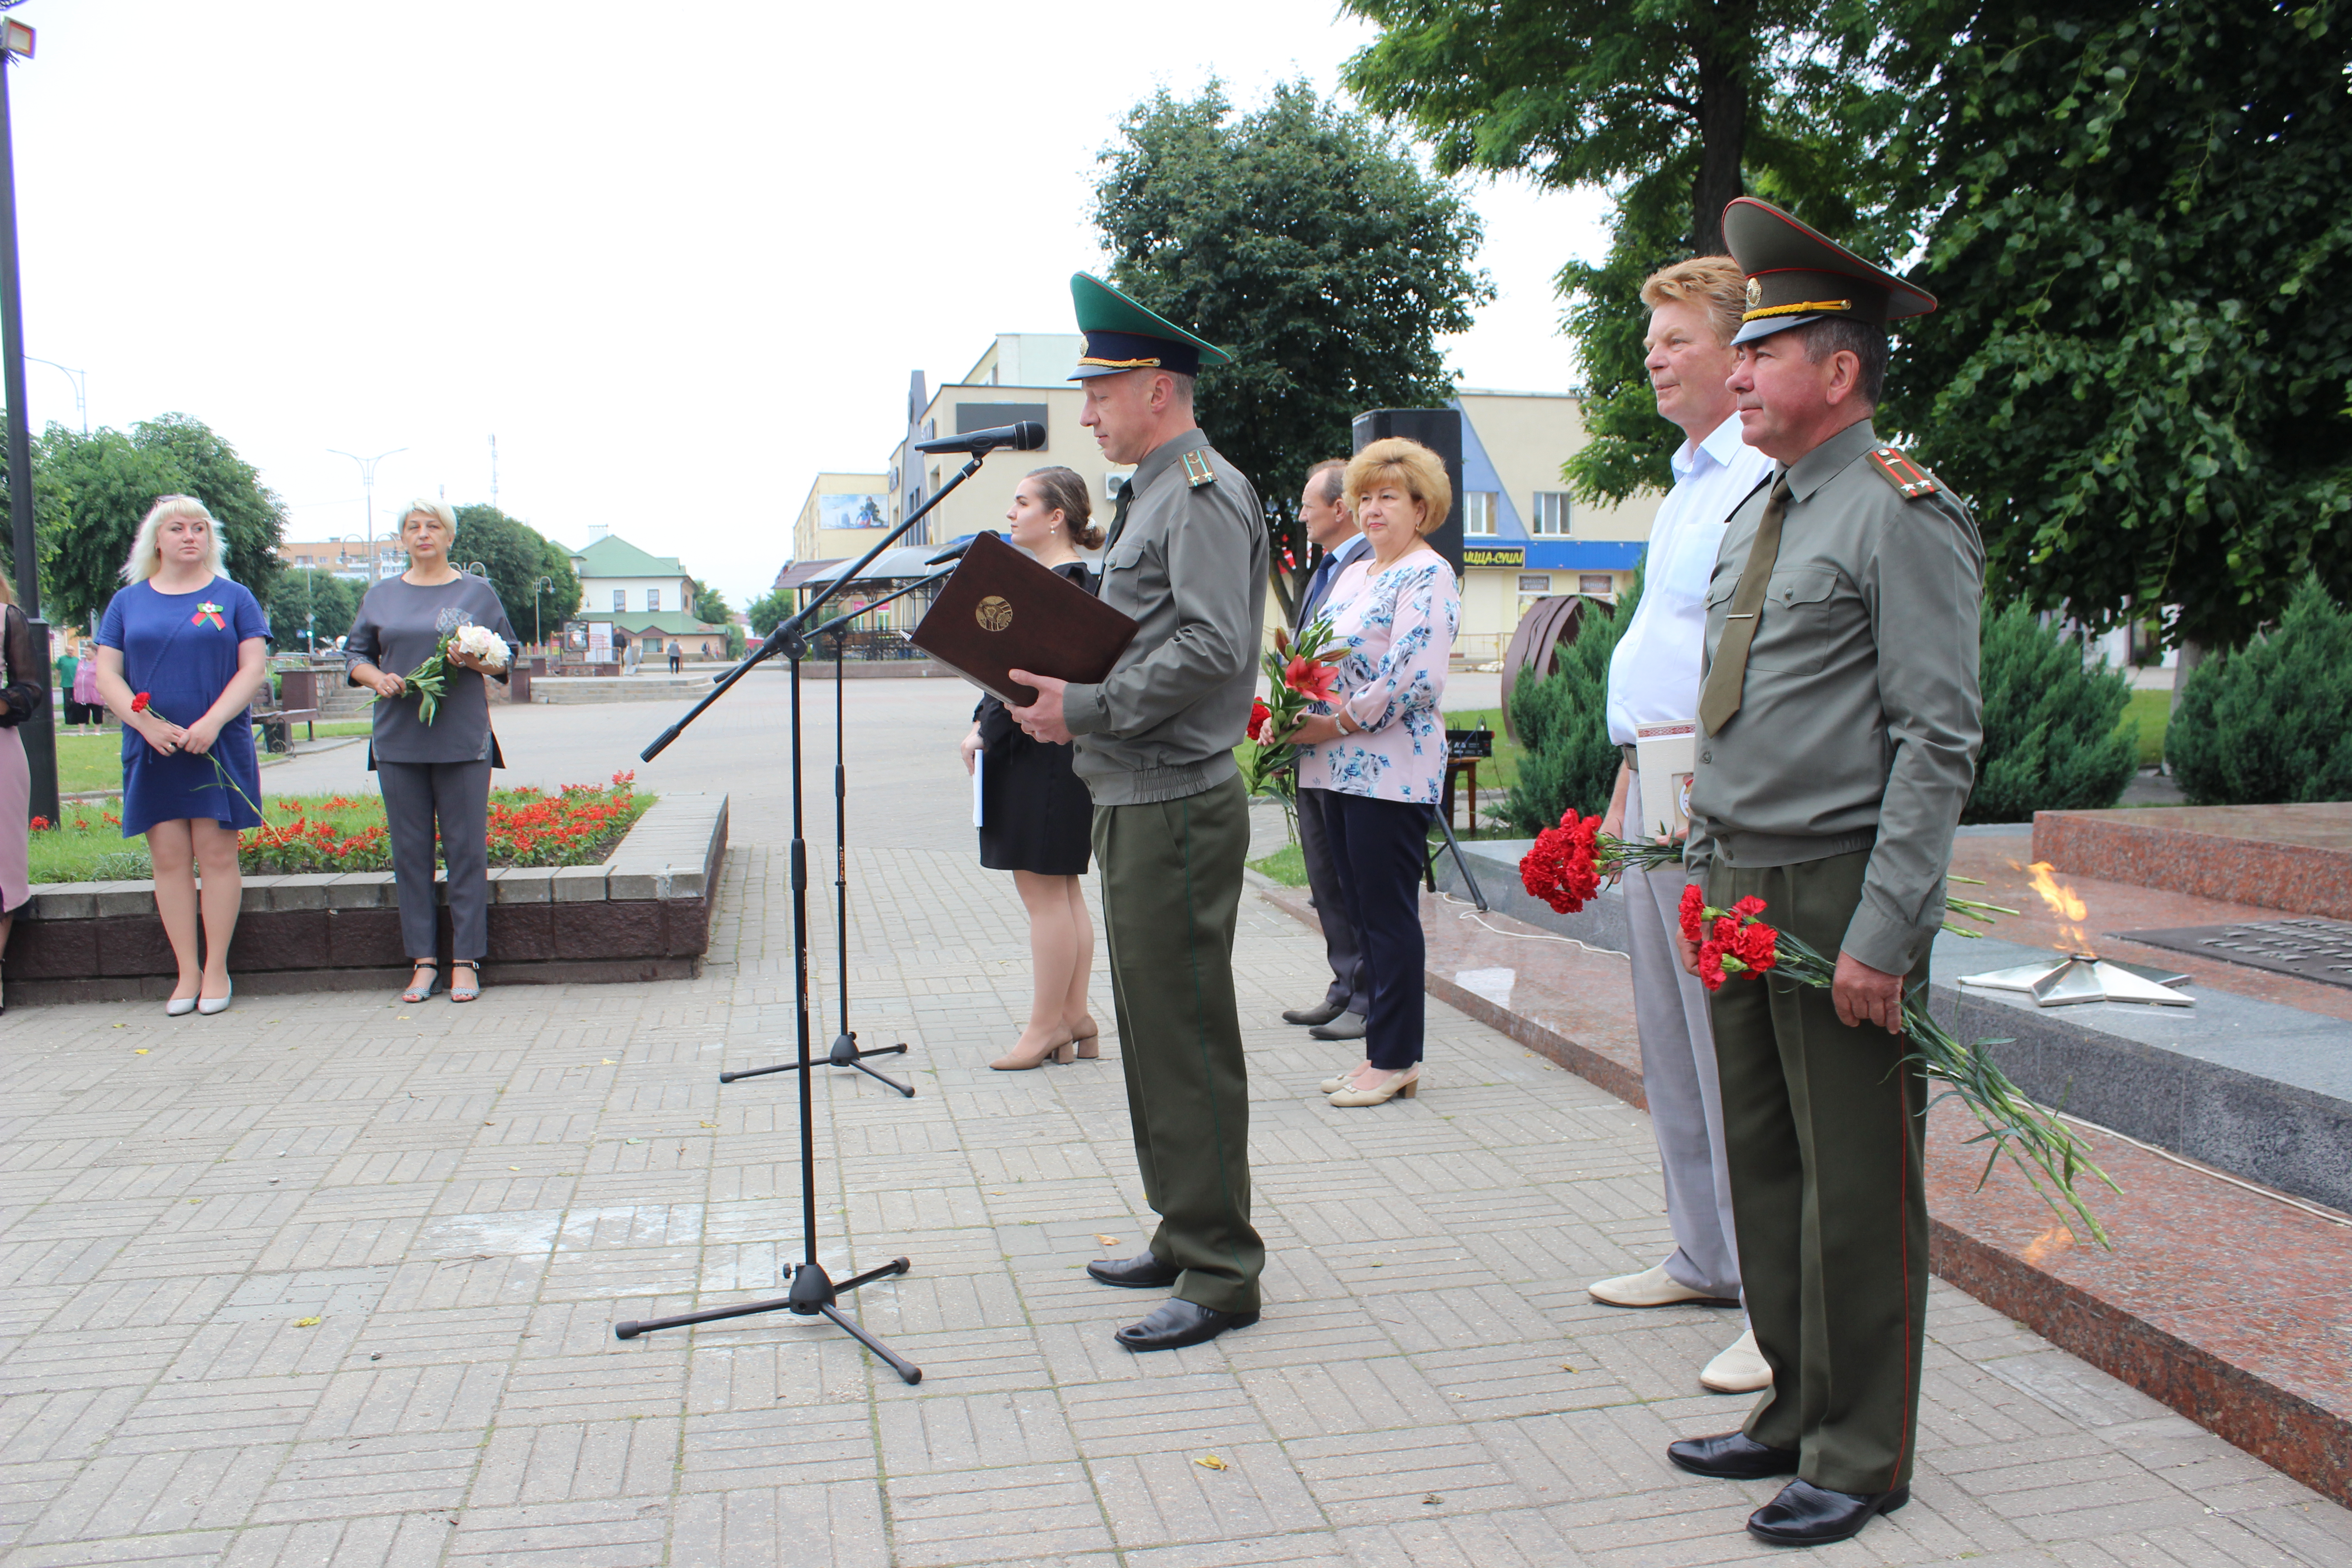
[1796, 275]
[1121, 335]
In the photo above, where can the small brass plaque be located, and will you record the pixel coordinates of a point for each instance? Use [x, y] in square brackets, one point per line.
[993, 613]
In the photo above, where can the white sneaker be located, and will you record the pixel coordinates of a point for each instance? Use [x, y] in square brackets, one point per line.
[1740, 1369]
[1649, 1288]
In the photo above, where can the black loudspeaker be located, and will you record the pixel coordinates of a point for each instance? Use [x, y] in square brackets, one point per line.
[1440, 430]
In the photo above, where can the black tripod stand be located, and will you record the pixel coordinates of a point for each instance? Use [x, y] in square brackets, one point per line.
[812, 1292]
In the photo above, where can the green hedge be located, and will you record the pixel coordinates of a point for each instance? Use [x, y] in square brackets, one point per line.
[2271, 722]
[1563, 724]
[2052, 736]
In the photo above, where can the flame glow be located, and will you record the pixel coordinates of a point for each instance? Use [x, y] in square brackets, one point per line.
[2048, 1245]
[2063, 900]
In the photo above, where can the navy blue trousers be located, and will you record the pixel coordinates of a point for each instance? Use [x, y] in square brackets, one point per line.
[1381, 848]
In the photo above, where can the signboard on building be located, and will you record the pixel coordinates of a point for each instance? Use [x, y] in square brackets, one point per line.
[600, 642]
[1509, 556]
[850, 510]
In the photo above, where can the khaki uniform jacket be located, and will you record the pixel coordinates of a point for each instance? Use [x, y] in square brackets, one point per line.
[1860, 718]
[1190, 566]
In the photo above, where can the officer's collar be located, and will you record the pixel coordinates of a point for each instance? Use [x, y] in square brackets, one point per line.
[1816, 468]
[1163, 457]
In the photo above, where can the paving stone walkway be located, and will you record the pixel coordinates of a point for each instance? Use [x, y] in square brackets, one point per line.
[328, 1280]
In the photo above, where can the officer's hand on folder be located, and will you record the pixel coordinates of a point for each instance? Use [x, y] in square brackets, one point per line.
[1042, 718]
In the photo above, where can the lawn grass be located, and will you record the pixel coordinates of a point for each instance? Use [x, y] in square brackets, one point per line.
[90, 760]
[2153, 710]
[1287, 866]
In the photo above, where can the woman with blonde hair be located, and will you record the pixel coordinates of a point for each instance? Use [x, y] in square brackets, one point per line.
[20, 698]
[1379, 745]
[179, 656]
[434, 774]
[1036, 817]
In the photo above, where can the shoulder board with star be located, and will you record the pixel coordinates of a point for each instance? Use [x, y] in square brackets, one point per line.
[1197, 471]
[1908, 477]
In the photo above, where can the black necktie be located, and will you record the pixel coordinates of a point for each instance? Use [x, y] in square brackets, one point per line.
[1118, 517]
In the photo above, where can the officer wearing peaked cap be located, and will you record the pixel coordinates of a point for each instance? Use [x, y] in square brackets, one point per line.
[1186, 557]
[1839, 723]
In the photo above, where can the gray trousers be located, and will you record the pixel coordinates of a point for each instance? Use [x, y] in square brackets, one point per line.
[1679, 1076]
[457, 796]
[1343, 946]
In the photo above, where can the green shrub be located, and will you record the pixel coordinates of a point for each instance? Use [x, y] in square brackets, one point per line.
[2271, 721]
[2052, 740]
[1563, 724]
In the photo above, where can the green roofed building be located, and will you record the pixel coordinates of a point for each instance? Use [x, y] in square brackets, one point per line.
[643, 597]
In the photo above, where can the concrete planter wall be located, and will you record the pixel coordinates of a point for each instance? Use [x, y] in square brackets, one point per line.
[644, 914]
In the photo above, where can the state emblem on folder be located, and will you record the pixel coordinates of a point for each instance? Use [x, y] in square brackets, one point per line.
[1001, 612]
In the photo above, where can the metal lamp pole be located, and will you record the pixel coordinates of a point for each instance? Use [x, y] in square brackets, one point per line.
[80, 379]
[367, 489]
[39, 731]
[539, 592]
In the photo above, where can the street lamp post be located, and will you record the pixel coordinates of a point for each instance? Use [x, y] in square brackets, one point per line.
[80, 379]
[367, 489]
[539, 592]
[38, 731]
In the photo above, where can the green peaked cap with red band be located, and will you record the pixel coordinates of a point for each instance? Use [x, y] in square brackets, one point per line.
[1121, 335]
[1797, 275]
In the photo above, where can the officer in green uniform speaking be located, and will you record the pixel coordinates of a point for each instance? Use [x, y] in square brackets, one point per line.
[1839, 722]
[1186, 557]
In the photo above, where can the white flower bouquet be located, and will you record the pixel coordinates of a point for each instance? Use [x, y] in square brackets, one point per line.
[429, 678]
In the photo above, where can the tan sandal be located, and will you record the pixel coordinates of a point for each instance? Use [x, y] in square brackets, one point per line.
[470, 967]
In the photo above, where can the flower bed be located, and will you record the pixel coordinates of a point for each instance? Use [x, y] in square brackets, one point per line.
[575, 825]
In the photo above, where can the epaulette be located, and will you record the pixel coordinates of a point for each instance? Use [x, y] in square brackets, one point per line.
[1903, 474]
[1197, 471]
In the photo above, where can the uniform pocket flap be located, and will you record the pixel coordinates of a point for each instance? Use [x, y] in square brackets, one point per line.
[1719, 591]
[1123, 556]
[1802, 587]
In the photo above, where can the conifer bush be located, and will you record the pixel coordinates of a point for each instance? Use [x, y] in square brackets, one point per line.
[2271, 722]
[1562, 721]
[2051, 736]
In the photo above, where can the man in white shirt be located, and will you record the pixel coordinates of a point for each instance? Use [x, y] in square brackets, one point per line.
[1654, 678]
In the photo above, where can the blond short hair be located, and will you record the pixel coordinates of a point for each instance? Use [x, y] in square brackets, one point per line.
[439, 511]
[1396, 461]
[147, 554]
[1714, 283]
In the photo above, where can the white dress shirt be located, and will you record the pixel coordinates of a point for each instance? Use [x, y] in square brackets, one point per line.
[1653, 674]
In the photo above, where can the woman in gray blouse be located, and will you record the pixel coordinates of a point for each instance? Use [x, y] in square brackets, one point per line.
[438, 772]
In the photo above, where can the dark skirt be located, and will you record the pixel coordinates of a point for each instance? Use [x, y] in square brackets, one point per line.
[1035, 814]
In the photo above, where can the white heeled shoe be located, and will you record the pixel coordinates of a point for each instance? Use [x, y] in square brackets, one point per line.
[209, 1005]
[179, 1007]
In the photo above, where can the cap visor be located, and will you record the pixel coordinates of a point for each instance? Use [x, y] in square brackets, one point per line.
[1088, 372]
[1752, 331]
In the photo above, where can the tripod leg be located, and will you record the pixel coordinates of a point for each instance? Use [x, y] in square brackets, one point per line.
[629, 1331]
[1461, 864]
[896, 1265]
[908, 1089]
[906, 1369]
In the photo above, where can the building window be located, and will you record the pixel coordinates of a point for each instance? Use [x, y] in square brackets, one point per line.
[1550, 514]
[620, 598]
[653, 598]
[1478, 513]
[1595, 582]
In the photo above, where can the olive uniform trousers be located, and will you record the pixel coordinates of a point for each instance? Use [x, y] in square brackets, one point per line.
[1171, 890]
[1822, 1124]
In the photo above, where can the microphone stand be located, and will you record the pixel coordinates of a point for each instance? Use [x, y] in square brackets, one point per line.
[812, 1292]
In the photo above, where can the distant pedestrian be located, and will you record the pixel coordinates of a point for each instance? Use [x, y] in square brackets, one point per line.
[85, 695]
[181, 656]
[676, 657]
[1378, 747]
[20, 697]
[436, 774]
[1035, 815]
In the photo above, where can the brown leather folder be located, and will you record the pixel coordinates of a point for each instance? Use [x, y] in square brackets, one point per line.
[1001, 612]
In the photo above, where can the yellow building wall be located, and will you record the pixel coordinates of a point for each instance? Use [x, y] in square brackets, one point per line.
[810, 542]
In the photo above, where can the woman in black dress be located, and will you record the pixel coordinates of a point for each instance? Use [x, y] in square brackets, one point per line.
[1036, 819]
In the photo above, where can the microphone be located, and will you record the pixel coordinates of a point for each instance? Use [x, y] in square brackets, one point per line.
[1026, 436]
[955, 551]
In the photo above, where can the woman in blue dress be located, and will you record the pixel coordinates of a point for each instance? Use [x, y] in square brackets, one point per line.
[180, 658]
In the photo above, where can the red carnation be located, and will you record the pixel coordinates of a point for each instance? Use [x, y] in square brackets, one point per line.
[1725, 931]
[1710, 966]
[1758, 946]
[1747, 908]
[1259, 714]
[138, 703]
[1694, 911]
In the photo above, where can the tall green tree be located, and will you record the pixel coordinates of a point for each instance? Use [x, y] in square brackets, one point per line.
[1676, 107]
[517, 558]
[2140, 371]
[1310, 244]
[93, 490]
[769, 610]
[710, 606]
[302, 591]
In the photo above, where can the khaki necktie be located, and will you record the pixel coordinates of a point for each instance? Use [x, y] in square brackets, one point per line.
[1720, 700]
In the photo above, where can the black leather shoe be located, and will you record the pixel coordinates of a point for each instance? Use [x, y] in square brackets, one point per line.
[1732, 1456]
[1142, 1272]
[1321, 1013]
[1346, 1027]
[1806, 1515]
[1174, 1324]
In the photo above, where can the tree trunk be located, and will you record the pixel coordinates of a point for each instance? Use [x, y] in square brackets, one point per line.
[1722, 123]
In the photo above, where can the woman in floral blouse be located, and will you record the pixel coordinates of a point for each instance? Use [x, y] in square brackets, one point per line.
[1379, 745]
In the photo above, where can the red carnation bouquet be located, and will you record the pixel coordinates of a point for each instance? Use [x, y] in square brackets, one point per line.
[2049, 1155]
[1301, 672]
[1566, 867]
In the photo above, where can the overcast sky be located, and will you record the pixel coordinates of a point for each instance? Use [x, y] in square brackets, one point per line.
[676, 259]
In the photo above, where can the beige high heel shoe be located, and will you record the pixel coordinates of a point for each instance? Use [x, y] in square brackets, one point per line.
[1089, 1045]
[1404, 1085]
[1013, 1061]
[1334, 1085]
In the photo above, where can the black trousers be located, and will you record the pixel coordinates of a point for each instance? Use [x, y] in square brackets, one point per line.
[1381, 846]
[1342, 947]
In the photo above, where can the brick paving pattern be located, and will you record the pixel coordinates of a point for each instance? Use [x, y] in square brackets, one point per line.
[330, 1280]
